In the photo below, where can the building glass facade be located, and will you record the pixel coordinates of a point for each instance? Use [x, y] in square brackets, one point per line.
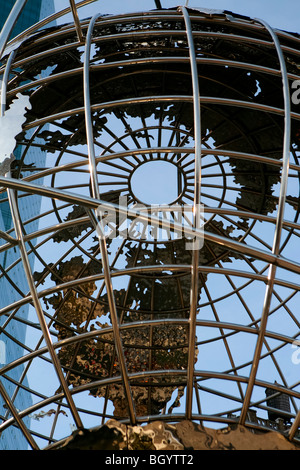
[15, 331]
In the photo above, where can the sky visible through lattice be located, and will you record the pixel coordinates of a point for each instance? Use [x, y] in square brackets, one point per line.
[283, 15]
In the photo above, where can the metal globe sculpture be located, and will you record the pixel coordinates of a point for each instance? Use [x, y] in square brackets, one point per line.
[162, 268]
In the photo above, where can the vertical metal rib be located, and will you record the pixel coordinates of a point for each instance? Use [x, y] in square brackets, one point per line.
[98, 225]
[10, 401]
[47, 20]
[279, 221]
[19, 421]
[76, 21]
[196, 214]
[38, 308]
[4, 82]
[10, 23]
[18, 230]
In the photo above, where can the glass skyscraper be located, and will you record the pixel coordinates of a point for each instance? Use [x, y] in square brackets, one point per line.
[15, 331]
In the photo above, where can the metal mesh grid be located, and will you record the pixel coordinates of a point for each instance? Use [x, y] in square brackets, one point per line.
[125, 319]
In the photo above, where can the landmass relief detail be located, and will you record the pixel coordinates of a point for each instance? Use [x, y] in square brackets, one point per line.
[10, 126]
[183, 436]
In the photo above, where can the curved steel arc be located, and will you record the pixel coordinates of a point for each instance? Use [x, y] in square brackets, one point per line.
[38, 308]
[279, 223]
[199, 60]
[127, 326]
[98, 223]
[4, 82]
[10, 22]
[167, 32]
[18, 418]
[207, 210]
[289, 391]
[32, 29]
[190, 231]
[196, 215]
[56, 228]
[142, 151]
[76, 21]
[137, 270]
[163, 99]
[201, 374]
[141, 61]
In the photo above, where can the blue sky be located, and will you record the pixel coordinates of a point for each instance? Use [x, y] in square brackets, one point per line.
[278, 13]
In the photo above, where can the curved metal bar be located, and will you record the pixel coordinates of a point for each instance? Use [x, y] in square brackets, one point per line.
[76, 21]
[141, 324]
[143, 151]
[208, 210]
[142, 34]
[156, 373]
[199, 60]
[279, 223]
[196, 215]
[197, 34]
[137, 270]
[289, 391]
[11, 240]
[98, 224]
[4, 82]
[10, 23]
[163, 99]
[142, 61]
[32, 29]
[171, 16]
[91, 203]
[36, 302]
[17, 418]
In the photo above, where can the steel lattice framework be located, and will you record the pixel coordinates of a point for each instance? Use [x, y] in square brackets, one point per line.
[140, 327]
